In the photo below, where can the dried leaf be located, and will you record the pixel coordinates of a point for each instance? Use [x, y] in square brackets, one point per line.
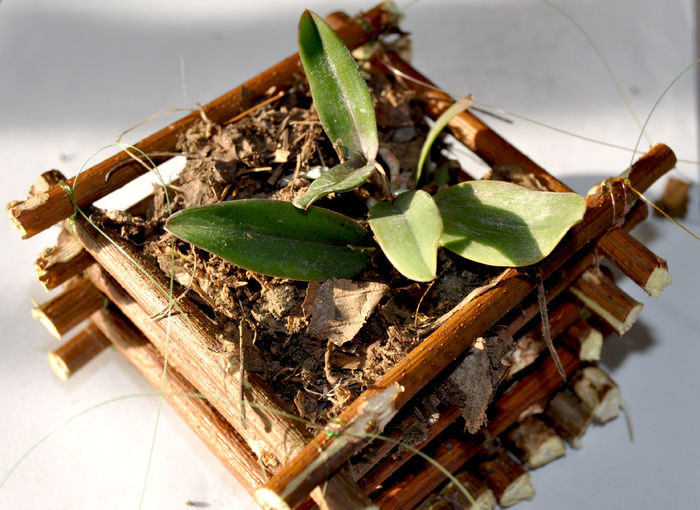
[342, 307]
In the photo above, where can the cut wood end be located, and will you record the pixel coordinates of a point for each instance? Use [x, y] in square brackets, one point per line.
[40, 274]
[43, 277]
[658, 280]
[58, 366]
[485, 501]
[591, 346]
[520, 490]
[549, 451]
[536, 443]
[599, 393]
[609, 407]
[631, 318]
[11, 213]
[270, 500]
[38, 313]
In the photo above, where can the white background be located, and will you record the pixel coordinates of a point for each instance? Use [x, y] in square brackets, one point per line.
[75, 74]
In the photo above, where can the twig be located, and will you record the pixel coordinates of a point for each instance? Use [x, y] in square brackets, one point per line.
[77, 352]
[62, 313]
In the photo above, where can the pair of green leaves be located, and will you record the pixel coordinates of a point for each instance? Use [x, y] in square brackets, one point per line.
[490, 222]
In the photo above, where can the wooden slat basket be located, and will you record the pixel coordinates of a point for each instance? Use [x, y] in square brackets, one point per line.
[286, 464]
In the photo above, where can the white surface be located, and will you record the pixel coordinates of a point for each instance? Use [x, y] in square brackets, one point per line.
[75, 74]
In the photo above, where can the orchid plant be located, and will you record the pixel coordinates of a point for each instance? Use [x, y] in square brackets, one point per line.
[490, 222]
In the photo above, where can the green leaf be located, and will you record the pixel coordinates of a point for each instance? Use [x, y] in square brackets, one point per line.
[435, 130]
[408, 231]
[501, 224]
[342, 177]
[275, 238]
[338, 90]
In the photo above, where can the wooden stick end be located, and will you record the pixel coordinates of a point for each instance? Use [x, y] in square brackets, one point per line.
[12, 214]
[591, 346]
[631, 318]
[269, 500]
[658, 280]
[520, 490]
[59, 366]
[38, 313]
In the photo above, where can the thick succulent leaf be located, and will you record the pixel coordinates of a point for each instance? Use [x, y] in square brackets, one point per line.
[408, 231]
[275, 238]
[435, 130]
[502, 224]
[338, 90]
[342, 177]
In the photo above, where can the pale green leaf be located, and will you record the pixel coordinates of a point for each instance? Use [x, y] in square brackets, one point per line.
[342, 177]
[408, 231]
[435, 130]
[339, 92]
[502, 224]
[275, 238]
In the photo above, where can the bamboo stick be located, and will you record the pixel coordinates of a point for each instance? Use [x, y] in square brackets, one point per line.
[509, 481]
[57, 264]
[195, 349]
[378, 405]
[495, 150]
[606, 300]
[535, 443]
[635, 260]
[569, 417]
[40, 211]
[598, 393]
[218, 435]
[77, 352]
[65, 311]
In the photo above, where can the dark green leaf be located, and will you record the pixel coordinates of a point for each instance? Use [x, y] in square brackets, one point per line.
[275, 238]
[342, 177]
[408, 231]
[339, 91]
[501, 224]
